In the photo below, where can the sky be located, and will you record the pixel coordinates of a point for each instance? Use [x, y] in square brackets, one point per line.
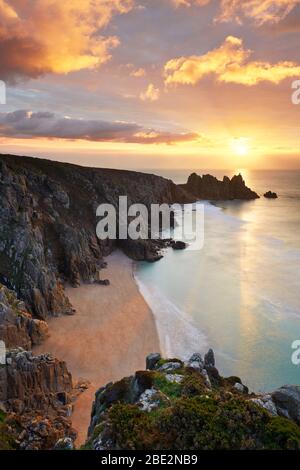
[144, 84]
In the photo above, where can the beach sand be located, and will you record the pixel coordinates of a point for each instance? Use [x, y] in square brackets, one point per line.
[108, 338]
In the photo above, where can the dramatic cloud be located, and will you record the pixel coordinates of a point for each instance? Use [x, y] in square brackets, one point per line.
[261, 11]
[151, 93]
[24, 124]
[42, 36]
[229, 63]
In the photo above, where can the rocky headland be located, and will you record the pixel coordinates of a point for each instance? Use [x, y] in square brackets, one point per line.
[210, 188]
[176, 405]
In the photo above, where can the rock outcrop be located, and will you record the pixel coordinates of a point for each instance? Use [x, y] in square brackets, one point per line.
[17, 327]
[287, 401]
[175, 405]
[270, 195]
[29, 382]
[36, 395]
[208, 187]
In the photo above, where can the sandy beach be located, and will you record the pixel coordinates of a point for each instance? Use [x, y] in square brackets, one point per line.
[108, 337]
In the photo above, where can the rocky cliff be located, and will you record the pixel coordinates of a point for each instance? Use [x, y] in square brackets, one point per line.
[175, 405]
[48, 221]
[17, 327]
[36, 399]
[210, 188]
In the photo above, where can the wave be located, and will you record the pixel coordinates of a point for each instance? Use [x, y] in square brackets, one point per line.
[178, 335]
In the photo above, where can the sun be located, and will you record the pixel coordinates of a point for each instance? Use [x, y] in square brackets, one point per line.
[240, 146]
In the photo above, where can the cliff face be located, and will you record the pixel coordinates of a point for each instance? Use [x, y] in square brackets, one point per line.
[210, 188]
[175, 405]
[48, 221]
[36, 393]
[30, 382]
[17, 327]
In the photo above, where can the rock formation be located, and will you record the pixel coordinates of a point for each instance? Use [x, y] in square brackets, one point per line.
[210, 188]
[270, 195]
[175, 405]
[36, 395]
[17, 327]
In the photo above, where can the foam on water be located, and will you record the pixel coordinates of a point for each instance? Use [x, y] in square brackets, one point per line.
[178, 335]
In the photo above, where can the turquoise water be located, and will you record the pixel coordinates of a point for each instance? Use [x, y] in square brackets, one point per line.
[240, 294]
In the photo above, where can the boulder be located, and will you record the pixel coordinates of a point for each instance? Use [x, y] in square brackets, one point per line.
[151, 399]
[151, 360]
[287, 401]
[174, 378]
[102, 282]
[196, 362]
[240, 388]
[266, 402]
[169, 366]
[178, 245]
[209, 359]
[65, 443]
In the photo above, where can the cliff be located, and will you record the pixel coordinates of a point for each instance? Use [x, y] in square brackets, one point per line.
[36, 394]
[48, 221]
[175, 405]
[17, 327]
[210, 188]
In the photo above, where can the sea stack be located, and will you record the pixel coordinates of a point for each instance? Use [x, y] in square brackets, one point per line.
[270, 195]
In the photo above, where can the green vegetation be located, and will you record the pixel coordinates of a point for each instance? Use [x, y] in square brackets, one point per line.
[6, 440]
[201, 423]
[194, 417]
[170, 389]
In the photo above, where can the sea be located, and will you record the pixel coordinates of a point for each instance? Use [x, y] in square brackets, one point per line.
[240, 293]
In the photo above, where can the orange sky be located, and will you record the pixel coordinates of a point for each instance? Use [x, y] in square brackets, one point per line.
[152, 83]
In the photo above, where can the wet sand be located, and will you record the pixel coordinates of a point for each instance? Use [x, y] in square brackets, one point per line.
[108, 338]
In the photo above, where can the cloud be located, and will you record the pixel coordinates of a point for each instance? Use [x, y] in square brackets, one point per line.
[230, 64]
[290, 24]
[189, 3]
[138, 73]
[260, 11]
[54, 36]
[22, 124]
[150, 94]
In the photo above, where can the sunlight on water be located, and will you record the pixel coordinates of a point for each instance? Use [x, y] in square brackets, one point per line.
[240, 294]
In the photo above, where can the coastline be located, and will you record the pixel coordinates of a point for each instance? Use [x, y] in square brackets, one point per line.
[113, 329]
